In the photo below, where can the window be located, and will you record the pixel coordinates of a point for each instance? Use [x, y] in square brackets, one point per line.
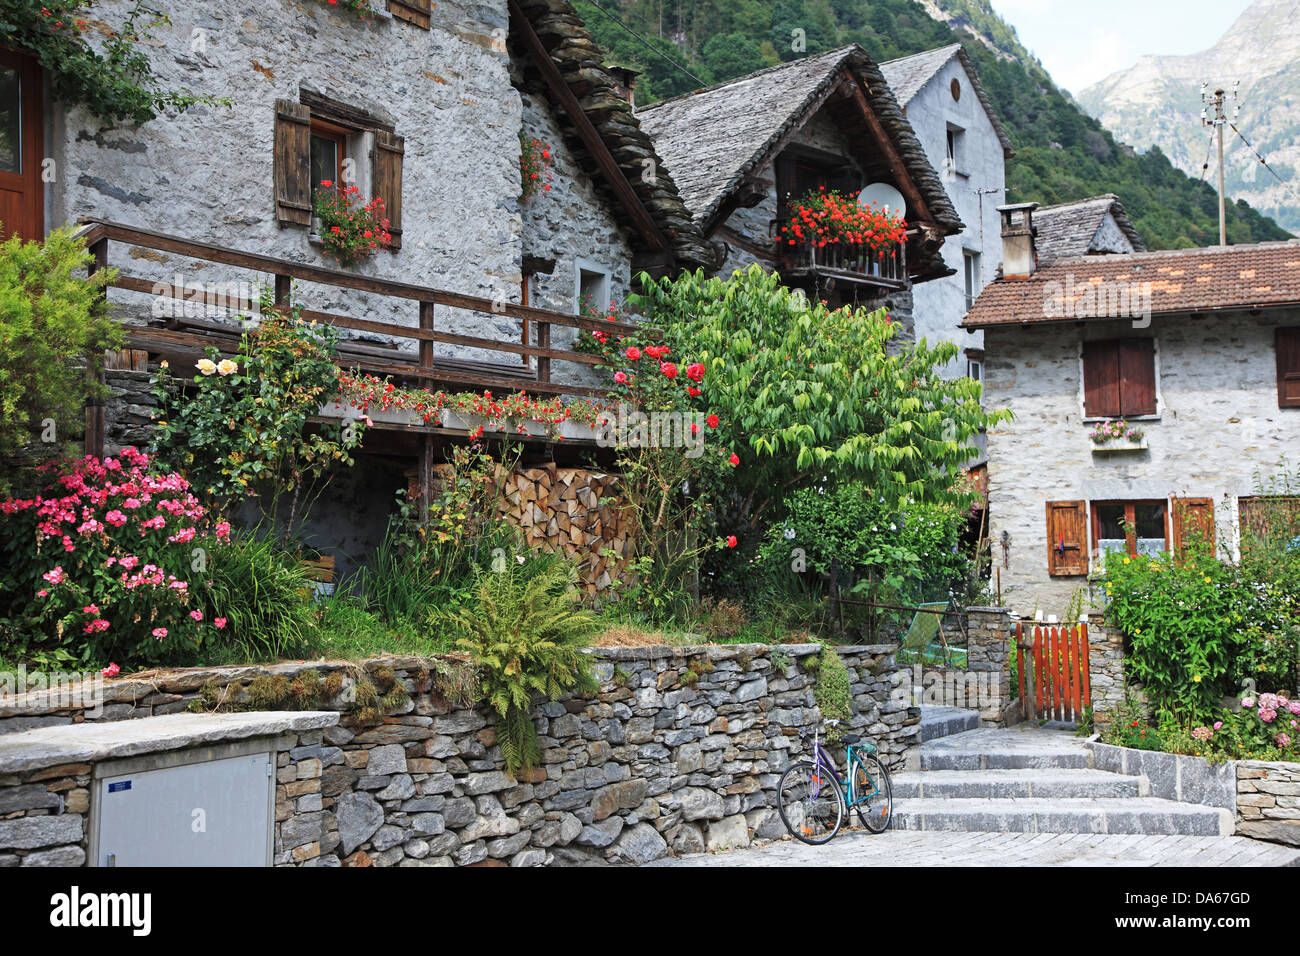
[1288, 368]
[328, 150]
[591, 289]
[1193, 523]
[1130, 527]
[954, 158]
[975, 370]
[1119, 378]
[971, 271]
[318, 140]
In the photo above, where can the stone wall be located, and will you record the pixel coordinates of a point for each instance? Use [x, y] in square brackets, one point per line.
[1268, 801]
[680, 750]
[1218, 426]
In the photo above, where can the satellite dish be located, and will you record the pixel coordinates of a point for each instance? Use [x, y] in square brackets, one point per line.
[885, 197]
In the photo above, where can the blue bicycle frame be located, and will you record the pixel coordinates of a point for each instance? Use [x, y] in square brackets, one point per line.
[822, 764]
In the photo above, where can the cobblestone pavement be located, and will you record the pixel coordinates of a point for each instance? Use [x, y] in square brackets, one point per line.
[937, 848]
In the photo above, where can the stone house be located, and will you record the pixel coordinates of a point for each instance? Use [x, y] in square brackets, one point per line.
[1197, 351]
[425, 105]
[958, 125]
[742, 150]
[1094, 226]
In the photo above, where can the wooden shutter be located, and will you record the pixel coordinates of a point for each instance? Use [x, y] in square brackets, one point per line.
[1193, 518]
[1288, 368]
[412, 11]
[1137, 375]
[1101, 378]
[293, 204]
[389, 150]
[1067, 538]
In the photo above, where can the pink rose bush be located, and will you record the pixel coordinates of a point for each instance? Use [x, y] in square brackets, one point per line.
[114, 559]
[1266, 727]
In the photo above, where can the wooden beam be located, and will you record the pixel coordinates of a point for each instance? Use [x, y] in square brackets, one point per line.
[896, 164]
[555, 82]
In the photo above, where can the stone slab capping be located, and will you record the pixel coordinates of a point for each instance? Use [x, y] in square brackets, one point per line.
[649, 765]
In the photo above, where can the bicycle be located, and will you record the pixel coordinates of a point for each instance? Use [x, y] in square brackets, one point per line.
[812, 800]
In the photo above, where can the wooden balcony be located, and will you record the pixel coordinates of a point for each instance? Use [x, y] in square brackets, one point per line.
[525, 363]
[846, 262]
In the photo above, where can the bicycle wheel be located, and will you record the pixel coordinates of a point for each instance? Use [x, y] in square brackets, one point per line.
[875, 794]
[810, 803]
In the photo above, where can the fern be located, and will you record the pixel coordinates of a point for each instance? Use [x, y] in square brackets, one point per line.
[525, 630]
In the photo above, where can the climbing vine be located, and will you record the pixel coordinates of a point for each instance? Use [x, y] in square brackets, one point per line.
[831, 690]
[115, 82]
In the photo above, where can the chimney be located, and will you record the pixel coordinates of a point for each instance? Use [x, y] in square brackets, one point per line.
[1019, 255]
[625, 82]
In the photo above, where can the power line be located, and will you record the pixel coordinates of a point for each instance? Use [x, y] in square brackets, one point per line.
[1205, 166]
[1261, 159]
[647, 44]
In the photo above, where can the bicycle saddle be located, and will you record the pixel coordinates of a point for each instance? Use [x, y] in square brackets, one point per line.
[850, 738]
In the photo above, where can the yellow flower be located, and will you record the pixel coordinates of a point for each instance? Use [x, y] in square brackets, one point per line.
[1196, 678]
[227, 367]
[206, 366]
[1207, 579]
[1128, 561]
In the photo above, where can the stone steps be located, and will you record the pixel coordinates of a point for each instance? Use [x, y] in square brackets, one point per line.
[1025, 780]
[1018, 784]
[939, 722]
[1147, 815]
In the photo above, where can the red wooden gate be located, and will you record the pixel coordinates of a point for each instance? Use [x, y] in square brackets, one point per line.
[1056, 686]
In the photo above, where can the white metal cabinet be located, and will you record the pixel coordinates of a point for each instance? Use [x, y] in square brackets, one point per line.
[206, 813]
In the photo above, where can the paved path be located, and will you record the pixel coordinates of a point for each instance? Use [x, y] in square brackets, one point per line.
[922, 848]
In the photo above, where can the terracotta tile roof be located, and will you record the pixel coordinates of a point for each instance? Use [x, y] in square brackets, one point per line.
[1069, 228]
[1265, 274]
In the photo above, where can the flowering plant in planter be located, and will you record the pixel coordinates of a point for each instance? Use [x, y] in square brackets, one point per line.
[361, 8]
[823, 217]
[105, 558]
[350, 231]
[534, 166]
[1117, 430]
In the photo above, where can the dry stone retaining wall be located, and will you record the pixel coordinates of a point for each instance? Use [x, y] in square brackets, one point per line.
[1268, 801]
[656, 762]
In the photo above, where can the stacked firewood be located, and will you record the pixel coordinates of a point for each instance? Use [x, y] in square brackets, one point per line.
[573, 511]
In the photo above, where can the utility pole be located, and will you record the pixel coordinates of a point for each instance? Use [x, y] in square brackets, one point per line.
[1218, 121]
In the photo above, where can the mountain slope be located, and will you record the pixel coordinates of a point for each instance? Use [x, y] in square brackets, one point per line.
[1157, 102]
[1062, 153]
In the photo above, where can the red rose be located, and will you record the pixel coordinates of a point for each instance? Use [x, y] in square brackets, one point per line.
[734, 459]
[695, 371]
[712, 421]
[692, 391]
[633, 353]
[669, 370]
[731, 539]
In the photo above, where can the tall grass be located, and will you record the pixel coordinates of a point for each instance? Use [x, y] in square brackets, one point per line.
[266, 596]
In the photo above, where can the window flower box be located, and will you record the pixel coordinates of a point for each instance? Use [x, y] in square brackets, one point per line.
[1117, 436]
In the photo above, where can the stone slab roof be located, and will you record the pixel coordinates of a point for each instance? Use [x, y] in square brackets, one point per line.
[1067, 229]
[713, 138]
[1261, 275]
[92, 742]
[908, 75]
[582, 66]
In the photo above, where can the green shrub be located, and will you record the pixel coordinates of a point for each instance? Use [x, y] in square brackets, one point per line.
[265, 594]
[51, 319]
[525, 630]
[832, 691]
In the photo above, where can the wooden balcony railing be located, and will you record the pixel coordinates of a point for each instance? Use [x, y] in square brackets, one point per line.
[851, 261]
[416, 360]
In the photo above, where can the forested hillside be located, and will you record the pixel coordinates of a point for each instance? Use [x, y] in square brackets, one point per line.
[1061, 153]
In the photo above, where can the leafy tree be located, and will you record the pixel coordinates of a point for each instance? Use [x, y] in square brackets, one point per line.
[51, 320]
[804, 393]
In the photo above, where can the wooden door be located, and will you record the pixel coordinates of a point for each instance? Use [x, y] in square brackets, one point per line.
[22, 144]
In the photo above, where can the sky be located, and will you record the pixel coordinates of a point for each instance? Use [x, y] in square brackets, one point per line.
[1083, 41]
